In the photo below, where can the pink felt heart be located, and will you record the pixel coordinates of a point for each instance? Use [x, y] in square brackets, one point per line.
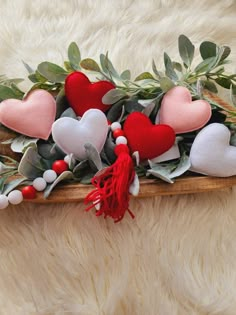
[181, 113]
[33, 116]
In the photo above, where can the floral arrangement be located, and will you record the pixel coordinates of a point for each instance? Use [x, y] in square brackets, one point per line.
[110, 130]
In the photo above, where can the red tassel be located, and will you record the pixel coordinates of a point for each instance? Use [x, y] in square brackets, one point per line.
[112, 186]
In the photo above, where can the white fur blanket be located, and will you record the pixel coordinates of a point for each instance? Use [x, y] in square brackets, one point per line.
[178, 257]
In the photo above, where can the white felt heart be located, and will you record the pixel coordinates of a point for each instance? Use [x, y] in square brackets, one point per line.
[71, 135]
[33, 116]
[211, 154]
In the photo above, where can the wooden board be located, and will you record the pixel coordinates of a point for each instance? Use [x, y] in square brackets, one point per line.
[148, 188]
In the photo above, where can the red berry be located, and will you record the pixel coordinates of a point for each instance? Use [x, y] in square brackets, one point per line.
[118, 133]
[28, 192]
[60, 166]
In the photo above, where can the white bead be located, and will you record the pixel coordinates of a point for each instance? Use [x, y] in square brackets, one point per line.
[3, 202]
[115, 125]
[50, 176]
[67, 159]
[15, 197]
[121, 140]
[39, 183]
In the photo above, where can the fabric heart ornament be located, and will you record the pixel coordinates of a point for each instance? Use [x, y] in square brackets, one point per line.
[33, 116]
[148, 139]
[211, 152]
[83, 95]
[181, 113]
[71, 135]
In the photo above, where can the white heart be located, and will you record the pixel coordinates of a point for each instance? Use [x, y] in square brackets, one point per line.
[211, 154]
[71, 135]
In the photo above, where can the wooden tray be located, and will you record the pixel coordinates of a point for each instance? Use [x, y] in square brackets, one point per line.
[148, 187]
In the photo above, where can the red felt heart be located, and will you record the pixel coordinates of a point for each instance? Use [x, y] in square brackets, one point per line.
[83, 95]
[148, 139]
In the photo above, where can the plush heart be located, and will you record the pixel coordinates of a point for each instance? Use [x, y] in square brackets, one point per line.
[33, 116]
[148, 139]
[211, 154]
[83, 95]
[181, 113]
[71, 135]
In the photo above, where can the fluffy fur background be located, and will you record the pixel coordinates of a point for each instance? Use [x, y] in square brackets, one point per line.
[178, 257]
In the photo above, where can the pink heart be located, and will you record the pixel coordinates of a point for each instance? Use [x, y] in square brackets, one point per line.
[181, 113]
[33, 116]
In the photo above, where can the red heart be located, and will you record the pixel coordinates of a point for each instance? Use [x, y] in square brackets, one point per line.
[83, 95]
[148, 139]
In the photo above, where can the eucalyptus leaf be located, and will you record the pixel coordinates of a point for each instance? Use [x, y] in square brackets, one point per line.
[206, 65]
[107, 66]
[125, 75]
[170, 72]
[86, 179]
[108, 148]
[154, 68]
[32, 77]
[6, 93]
[208, 50]
[63, 176]
[93, 155]
[74, 56]
[31, 164]
[90, 64]
[79, 169]
[183, 166]
[61, 103]
[113, 96]
[233, 94]
[52, 72]
[166, 84]
[161, 173]
[186, 50]
[133, 106]
[144, 76]
[149, 108]
[3, 180]
[226, 52]
[27, 67]
[209, 85]
[224, 82]
[20, 143]
[49, 151]
[115, 110]
[13, 184]
[177, 66]
[69, 113]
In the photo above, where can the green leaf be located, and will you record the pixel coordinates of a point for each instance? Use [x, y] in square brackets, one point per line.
[183, 166]
[3, 180]
[6, 93]
[144, 76]
[166, 84]
[113, 96]
[61, 103]
[154, 68]
[233, 94]
[31, 164]
[28, 68]
[208, 50]
[125, 75]
[32, 77]
[69, 113]
[52, 72]
[90, 64]
[226, 52]
[107, 66]
[170, 72]
[19, 144]
[12, 185]
[160, 172]
[186, 50]
[68, 66]
[177, 66]
[206, 65]
[133, 106]
[93, 156]
[74, 56]
[115, 110]
[209, 85]
[226, 83]
[80, 168]
[63, 176]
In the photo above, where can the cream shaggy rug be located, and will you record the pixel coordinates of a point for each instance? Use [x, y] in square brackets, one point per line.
[178, 257]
